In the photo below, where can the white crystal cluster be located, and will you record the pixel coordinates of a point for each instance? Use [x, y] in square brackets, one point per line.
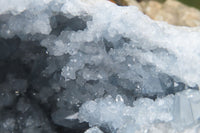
[106, 49]
[94, 130]
[177, 114]
[172, 50]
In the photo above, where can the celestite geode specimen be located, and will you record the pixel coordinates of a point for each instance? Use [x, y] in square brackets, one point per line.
[67, 65]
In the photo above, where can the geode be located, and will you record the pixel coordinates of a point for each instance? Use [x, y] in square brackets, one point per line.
[92, 66]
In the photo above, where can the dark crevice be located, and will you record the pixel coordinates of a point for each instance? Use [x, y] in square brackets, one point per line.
[60, 23]
[25, 61]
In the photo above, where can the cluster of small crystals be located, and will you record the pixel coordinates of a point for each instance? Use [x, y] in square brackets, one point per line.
[66, 62]
[174, 113]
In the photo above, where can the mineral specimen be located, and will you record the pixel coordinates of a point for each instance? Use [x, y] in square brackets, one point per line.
[66, 65]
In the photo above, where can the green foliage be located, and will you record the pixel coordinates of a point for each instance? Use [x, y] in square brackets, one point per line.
[193, 3]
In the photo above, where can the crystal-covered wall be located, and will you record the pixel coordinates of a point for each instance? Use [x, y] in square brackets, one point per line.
[92, 66]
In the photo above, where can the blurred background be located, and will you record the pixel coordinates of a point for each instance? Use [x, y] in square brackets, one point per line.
[175, 12]
[194, 3]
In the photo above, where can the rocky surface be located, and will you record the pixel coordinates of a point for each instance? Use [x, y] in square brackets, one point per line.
[85, 66]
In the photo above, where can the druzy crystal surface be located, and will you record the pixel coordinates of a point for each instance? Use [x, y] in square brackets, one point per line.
[92, 66]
